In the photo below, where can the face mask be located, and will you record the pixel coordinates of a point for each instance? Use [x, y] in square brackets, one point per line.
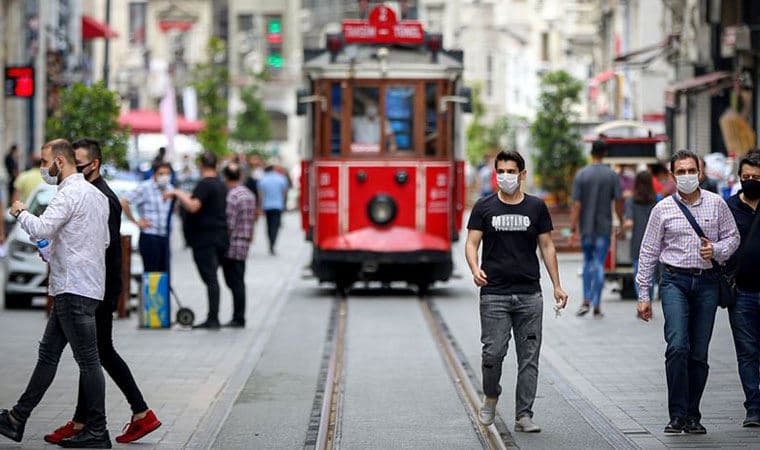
[163, 180]
[49, 179]
[687, 183]
[508, 182]
[80, 169]
[372, 112]
[751, 189]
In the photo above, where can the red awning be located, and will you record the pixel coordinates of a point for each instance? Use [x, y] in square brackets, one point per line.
[601, 78]
[714, 80]
[92, 29]
[146, 121]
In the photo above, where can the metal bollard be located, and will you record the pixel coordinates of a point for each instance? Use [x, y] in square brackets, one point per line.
[126, 274]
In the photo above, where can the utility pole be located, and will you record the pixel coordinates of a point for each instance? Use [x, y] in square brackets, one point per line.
[107, 48]
[40, 75]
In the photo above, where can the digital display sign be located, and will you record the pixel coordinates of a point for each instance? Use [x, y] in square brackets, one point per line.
[19, 81]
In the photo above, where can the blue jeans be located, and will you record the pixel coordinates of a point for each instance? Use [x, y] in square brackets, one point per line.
[595, 247]
[689, 303]
[745, 325]
[636, 283]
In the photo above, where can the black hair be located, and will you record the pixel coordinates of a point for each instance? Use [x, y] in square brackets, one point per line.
[510, 156]
[599, 149]
[91, 145]
[208, 160]
[269, 168]
[160, 165]
[752, 158]
[232, 172]
[683, 154]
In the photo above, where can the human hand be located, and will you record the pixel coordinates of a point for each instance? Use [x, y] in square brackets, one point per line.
[560, 298]
[479, 277]
[170, 194]
[706, 250]
[575, 237]
[644, 310]
[17, 207]
[144, 223]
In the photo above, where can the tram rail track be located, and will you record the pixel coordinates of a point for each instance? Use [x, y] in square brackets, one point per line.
[324, 427]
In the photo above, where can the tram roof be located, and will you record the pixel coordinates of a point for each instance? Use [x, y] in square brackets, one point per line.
[364, 61]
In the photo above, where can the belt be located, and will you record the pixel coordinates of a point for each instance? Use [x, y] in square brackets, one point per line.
[689, 271]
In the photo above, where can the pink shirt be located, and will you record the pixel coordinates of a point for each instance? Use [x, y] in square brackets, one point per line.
[670, 239]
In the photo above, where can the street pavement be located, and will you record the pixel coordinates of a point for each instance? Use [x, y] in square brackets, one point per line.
[602, 381]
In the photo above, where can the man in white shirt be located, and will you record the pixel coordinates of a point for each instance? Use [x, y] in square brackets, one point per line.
[366, 129]
[76, 225]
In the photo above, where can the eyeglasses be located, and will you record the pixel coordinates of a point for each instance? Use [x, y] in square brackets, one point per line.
[748, 177]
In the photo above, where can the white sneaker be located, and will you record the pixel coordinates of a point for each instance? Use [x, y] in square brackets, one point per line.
[488, 411]
[525, 425]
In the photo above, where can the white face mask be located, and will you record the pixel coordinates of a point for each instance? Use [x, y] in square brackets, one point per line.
[687, 183]
[49, 179]
[508, 182]
[371, 111]
[163, 180]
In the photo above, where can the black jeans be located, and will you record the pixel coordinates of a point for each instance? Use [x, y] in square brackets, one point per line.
[274, 217]
[207, 259]
[72, 321]
[234, 276]
[116, 368]
[154, 250]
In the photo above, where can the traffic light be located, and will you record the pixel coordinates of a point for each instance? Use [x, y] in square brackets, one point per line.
[274, 43]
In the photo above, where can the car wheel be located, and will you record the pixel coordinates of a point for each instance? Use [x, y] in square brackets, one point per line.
[17, 301]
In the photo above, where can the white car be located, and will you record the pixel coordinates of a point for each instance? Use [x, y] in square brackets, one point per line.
[26, 273]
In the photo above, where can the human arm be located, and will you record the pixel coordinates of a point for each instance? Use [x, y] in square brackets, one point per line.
[47, 225]
[474, 237]
[575, 210]
[728, 235]
[549, 255]
[188, 201]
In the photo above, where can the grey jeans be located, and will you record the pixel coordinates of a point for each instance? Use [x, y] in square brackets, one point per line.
[520, 314]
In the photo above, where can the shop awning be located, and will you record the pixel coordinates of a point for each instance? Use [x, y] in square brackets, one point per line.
[715, 81]
[92, 29]
[146, 121]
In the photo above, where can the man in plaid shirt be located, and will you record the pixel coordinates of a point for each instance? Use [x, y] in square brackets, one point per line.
[689, 285]
[241, 210]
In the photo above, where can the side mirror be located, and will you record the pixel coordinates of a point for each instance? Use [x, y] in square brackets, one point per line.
[301, 108]
[466, 93]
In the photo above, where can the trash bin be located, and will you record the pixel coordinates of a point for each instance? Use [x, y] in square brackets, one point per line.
[155, 309]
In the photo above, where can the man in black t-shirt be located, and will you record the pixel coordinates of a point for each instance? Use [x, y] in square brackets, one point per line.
[207, 230]
[511, 225]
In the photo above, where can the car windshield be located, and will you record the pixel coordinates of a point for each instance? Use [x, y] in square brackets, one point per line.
[40, 201]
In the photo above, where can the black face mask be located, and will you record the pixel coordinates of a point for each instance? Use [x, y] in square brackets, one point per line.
[751, 189]
[80, 169]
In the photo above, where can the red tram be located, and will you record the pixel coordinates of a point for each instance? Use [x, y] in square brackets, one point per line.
[382, 184]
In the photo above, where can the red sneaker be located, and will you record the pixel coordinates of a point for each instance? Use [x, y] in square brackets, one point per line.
[139, 428]
[63, 432]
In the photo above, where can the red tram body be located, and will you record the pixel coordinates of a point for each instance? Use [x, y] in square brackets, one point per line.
[382, 184]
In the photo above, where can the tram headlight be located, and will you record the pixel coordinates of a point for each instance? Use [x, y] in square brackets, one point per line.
[381, 209]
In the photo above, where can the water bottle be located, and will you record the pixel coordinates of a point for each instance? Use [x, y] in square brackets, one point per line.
[44, 247]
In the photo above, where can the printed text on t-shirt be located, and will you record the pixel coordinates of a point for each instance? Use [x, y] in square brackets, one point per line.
[510, 222]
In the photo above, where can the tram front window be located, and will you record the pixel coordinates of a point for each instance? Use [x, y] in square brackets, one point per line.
[366, 123]
[399, 111]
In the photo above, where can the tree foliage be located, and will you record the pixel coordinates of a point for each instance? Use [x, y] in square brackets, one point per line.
[210, 80]
[553, 132]
[253, 124]
[93, 112]
[483, 138]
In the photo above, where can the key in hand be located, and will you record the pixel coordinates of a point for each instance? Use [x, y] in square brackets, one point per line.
[557, 311]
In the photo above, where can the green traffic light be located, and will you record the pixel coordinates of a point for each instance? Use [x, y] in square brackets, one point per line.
[274, 61]
[274, 26]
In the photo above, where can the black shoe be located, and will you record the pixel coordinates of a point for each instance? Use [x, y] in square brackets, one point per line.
[235, 324]
[87, 439]
[209, 325]
[9, 429]
[694, 427]
[676, 426]
[752, 420]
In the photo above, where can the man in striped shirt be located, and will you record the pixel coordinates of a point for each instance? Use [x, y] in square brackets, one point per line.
[689, 285]
[241, 210]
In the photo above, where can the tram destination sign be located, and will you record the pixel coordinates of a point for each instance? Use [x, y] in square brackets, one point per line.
[383, 27]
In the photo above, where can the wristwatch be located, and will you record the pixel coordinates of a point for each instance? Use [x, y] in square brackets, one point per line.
[18, 213]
